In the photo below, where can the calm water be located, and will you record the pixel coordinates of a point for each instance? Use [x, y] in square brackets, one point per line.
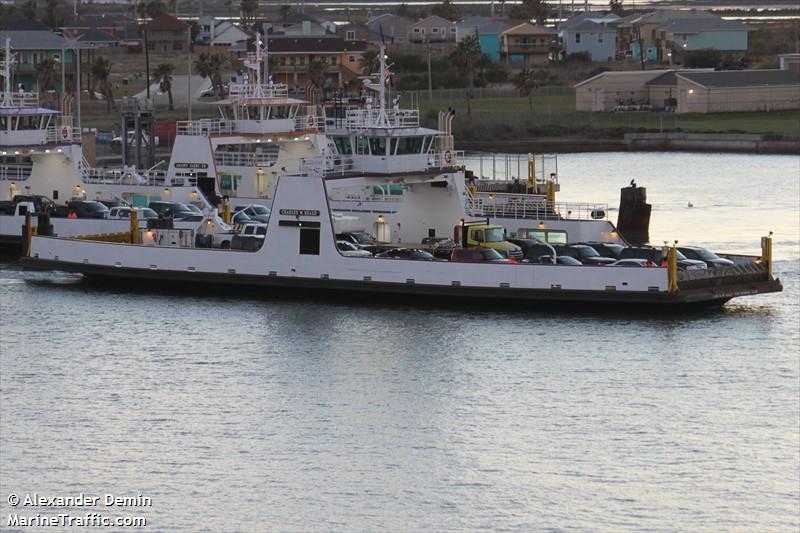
[259, 414]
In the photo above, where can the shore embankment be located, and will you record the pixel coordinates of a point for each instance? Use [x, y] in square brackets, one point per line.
[645, 142]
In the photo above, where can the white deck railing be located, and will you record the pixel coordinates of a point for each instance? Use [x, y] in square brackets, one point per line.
[265, 90]
[446, 159]
[244, 159]
[15, 172]
[24, 99]
[371, 118]
[330, 166]
[532, 207]
[124, 177]
[63, 134]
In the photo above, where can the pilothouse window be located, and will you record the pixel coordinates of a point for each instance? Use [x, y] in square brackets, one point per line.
[409, 145]
[377, 145]
[343, 145]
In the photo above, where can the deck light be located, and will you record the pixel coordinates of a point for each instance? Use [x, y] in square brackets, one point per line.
[614, 233]
[47, 151]
[491, 197]
[691, 91]
[59, 150]
[166, 190]
[380, 219]
[16, 152]
[541, 225]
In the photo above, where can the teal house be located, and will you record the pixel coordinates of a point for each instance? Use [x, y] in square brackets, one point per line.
[488, 31]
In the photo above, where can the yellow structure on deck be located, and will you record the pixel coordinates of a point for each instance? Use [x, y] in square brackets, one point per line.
[766, 254]
[672, 268]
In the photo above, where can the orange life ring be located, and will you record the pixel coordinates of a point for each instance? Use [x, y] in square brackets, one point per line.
[448, 157]
[65, 132]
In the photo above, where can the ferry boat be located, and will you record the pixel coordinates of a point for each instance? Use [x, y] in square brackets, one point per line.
[41, 155]
[299, 251]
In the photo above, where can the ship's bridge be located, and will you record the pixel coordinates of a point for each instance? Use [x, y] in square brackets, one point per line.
[255, 109]
[23, 122]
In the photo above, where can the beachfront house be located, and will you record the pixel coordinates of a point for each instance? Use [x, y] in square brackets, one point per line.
[488, 31]
[529, 44]
[433, 29]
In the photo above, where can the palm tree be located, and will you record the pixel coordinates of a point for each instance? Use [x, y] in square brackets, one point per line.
[249, 11]
[531, 10]
[46, 73]
[316, 72]
[616, 7]
[101, 72]
[284, 12]
[163, 74]
[525, 83]
[467, 52]
[211, 66]
[370, 61]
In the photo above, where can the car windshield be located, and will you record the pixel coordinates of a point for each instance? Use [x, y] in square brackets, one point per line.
[193, 208]
[97, 207]
[347, 246]
[706, 255]
[260, 210]
[178, 207]
[587, 251]
[146, 212]
[491, 255]
[361, 236]
[566, 260]
[494, 234]
[680, 256]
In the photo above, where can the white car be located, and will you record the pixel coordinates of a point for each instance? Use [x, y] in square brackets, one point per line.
[116, 142]
[348, 249]
[124, 212]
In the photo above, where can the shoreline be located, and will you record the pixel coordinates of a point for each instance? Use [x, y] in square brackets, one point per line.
[643, 142]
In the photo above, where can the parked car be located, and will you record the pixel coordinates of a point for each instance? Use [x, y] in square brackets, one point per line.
[116, 142]
[711, 259]
[250, 238]
[633, 263]
[656, 255]
[348, 249]
[560, 260]
[588, 255]
[254, 211]
[478, 255]
[359, 238]
[607, 249]
[443, 249]
[83, 209]
[406, 253]
[533, 249]
[176, 210]
[124, 212]
[41, 204]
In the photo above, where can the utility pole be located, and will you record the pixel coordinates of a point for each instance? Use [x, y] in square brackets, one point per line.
[189, 80]
[430, 78]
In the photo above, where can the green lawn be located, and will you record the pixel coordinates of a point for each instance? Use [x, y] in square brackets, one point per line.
[555, 116]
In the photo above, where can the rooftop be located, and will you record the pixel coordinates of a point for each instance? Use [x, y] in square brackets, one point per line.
[166, 22]
[314, 44]
[742, 78]
[703, 24]
[33, 40]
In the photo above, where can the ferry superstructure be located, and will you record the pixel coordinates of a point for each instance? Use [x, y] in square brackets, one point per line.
[262, 133]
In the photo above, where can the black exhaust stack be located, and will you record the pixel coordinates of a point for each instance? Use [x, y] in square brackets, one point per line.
[633, 221]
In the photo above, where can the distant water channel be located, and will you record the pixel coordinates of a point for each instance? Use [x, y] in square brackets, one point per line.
[261, 414]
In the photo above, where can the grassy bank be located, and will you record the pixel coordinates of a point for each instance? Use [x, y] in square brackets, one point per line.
[555, 116]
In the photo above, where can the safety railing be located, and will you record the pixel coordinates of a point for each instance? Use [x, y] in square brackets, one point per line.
[532, 207]
[205, 127]
[753, 268]
[15, 172]
[127, 177]
[265, 90]
[244, 159]
[63, 134]
[330, 166]
[446, 159]
[22, 99]
[508, 167]
[374, 118]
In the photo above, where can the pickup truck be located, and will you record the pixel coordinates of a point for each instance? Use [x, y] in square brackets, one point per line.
[486, 236]
[40, 203]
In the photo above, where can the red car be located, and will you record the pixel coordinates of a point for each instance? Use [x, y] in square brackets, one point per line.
[478, 255]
